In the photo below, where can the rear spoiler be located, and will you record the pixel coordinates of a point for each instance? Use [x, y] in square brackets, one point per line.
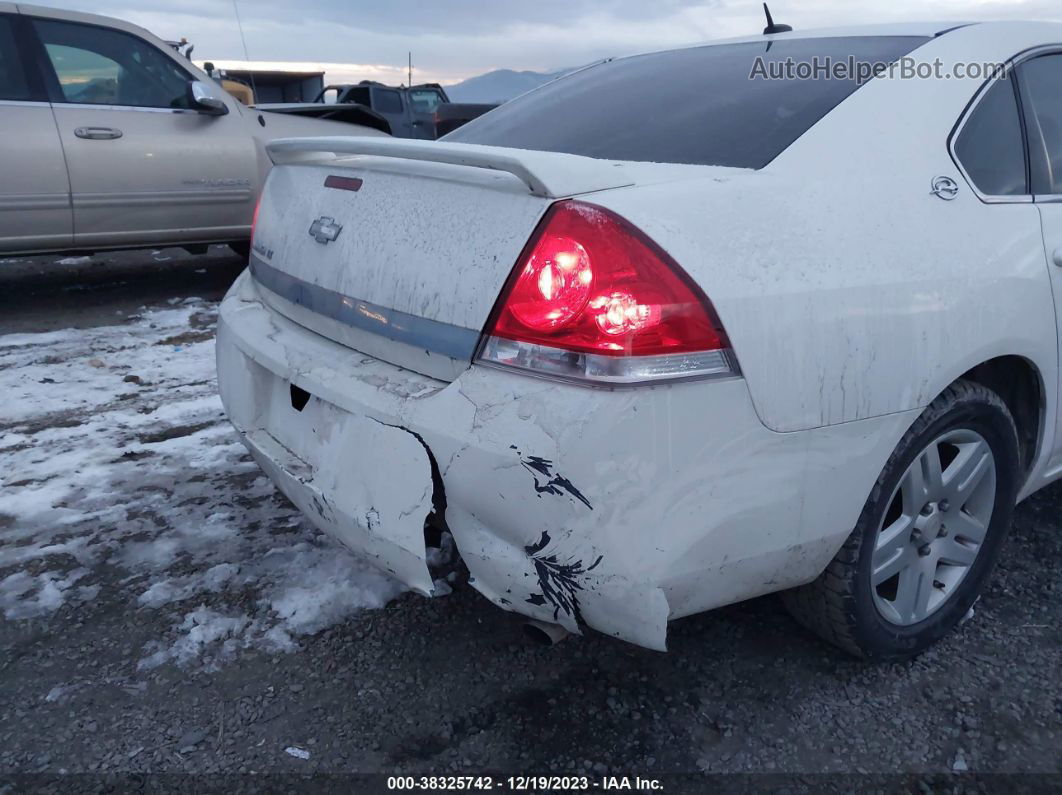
[551, 175]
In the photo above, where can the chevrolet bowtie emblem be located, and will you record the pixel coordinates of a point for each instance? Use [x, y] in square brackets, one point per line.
[324, 230]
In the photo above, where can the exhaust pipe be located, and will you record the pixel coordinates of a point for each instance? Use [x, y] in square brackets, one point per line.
[544, 634]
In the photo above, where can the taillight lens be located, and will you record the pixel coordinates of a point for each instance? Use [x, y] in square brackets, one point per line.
[592, 298]
[254, 218]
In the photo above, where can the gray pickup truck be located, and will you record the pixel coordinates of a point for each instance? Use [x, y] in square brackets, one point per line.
[421, 111]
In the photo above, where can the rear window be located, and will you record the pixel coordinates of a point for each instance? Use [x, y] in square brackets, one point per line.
[701, 105]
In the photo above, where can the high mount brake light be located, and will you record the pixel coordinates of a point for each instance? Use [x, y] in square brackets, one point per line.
[593, 299]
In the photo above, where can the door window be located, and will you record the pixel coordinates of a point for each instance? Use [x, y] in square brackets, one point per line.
[425, 100]
[359, 96]
[990, 145]
[13, 82]
[387, 101]
[1042, 78]
[107, 67]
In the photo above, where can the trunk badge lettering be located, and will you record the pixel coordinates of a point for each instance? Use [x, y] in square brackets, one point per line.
[325, 229]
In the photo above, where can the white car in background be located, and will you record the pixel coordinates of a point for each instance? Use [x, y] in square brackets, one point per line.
[110, 139]
[658, 337]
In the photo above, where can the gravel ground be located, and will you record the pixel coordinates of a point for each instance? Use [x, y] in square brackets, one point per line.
[431, 686]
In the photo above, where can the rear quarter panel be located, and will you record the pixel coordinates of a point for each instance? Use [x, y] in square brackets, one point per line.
[847, 289]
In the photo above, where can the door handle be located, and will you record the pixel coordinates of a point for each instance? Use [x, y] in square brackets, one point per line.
[1057, 257]
[98, 133]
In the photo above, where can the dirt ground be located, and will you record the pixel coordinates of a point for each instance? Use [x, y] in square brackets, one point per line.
[110, 664]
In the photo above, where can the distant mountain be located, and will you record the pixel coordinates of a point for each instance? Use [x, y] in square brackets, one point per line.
[500, 85]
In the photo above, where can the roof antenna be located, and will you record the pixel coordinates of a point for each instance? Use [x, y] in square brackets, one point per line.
[771, 26]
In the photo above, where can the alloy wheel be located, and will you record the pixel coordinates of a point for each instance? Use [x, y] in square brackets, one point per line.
[934, 527]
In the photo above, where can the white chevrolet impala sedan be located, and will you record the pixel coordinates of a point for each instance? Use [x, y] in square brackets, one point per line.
[678, 330]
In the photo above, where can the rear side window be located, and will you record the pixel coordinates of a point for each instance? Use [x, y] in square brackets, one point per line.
[98, 66]
[386, 101]
[701, 105]
[1043, 82]
[13, 82]
[358, 96]
[989, 145]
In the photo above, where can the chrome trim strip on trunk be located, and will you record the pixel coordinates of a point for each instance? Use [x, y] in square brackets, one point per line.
[420, 332]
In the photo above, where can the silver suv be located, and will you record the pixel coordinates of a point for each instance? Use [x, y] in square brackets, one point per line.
[110, 139]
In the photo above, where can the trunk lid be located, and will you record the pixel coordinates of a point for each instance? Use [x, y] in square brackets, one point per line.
[401, 253]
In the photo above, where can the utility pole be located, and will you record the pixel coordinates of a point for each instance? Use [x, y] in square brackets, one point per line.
[410, 61]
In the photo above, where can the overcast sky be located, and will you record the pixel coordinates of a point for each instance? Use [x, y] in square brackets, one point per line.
[455, 39]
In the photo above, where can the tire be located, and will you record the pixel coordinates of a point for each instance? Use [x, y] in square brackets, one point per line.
[845, 607]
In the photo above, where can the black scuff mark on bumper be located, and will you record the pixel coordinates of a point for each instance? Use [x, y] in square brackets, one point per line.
[321, 506]
[558, 580]
[547, 480]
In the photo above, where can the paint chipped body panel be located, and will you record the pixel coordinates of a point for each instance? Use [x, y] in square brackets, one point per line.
[588, 508]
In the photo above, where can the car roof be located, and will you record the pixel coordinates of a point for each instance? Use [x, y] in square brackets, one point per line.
[50, 12]
[924, 29]
[927, 30]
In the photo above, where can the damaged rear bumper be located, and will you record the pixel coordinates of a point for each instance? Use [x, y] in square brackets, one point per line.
[616, 510]
[375, 506]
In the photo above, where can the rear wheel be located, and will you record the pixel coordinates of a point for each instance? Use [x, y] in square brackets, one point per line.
[929, 534]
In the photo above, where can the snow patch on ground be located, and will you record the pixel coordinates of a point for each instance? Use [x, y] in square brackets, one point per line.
[115, 453]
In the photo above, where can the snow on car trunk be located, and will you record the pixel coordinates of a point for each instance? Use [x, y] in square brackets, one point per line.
[121, 476]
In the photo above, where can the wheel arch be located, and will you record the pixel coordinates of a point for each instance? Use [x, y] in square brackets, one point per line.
[1020, 384]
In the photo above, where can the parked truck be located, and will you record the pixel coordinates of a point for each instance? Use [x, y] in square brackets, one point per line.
[422, 111]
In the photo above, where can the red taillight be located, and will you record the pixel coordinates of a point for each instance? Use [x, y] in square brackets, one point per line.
[590, 285]
[254, 218]
[553, 287]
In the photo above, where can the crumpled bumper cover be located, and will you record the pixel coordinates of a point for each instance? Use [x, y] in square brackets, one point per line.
[358, 460]
[549, 581]
[375, 507]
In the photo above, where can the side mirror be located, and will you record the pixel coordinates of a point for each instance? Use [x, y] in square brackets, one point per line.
[200, 99]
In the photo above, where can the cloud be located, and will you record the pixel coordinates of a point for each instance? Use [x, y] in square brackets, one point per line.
[334, 72]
